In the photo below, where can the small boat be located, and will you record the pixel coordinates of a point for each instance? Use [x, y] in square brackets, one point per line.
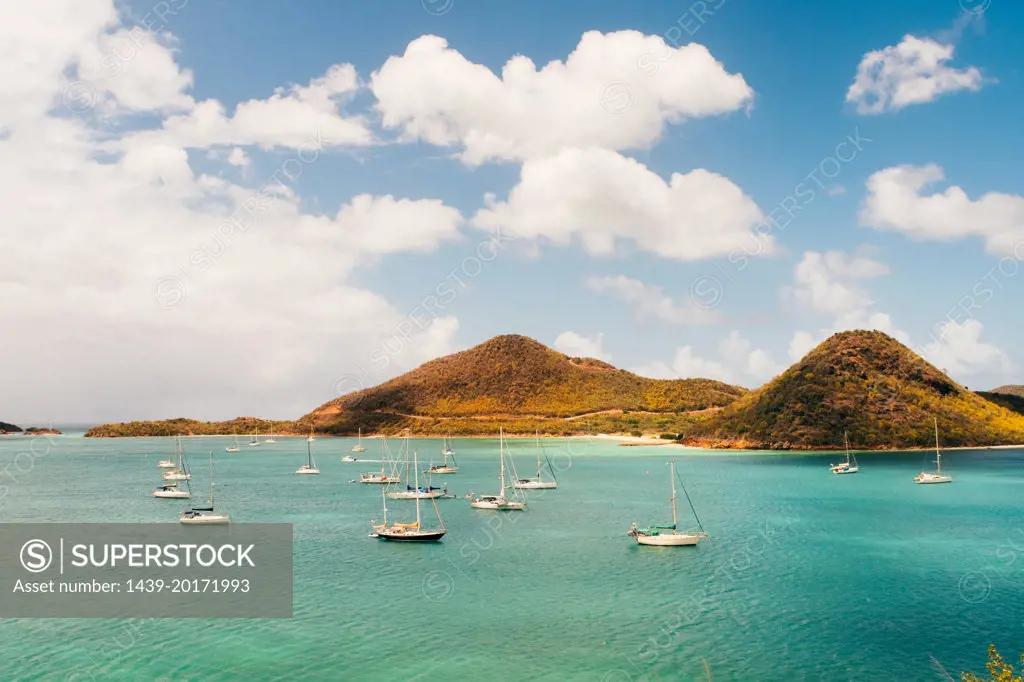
[180, 470]
[669, 536]
[270, 440]
[204, 516]
[846, 467]
[937, 476]
[448, 451]
[173, 492]
[349, 458]
[235, 447]
[446, 468]
[500, 502]
[417, 492]
[538, 483]
[311, 437]
[165, 464]
[310, 466]
[358, 447]
[255, 440]
[387, 475]
[408, 532]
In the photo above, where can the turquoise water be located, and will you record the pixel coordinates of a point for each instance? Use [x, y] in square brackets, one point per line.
[808, 576]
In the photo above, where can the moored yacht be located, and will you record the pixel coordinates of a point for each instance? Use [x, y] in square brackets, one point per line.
[204, 516]
[935, 476]
[669, 535]
[846, 467]
[501, 502]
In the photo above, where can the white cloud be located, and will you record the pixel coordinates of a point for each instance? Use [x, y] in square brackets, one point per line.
[174, 309]
[596, 97]
[829, 284]
[738, 362]
[299, 117]
[600, 198]
[579, 346]
[895, 201]
[649, 300]
[913, 72]
[238, 157]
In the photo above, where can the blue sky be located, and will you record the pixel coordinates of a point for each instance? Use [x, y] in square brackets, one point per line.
[306, 305]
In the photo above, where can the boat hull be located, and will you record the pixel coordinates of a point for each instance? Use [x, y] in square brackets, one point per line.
[410, 495]
[358, 448]
[411, 536]
[535, 485]
[669, 540]
[308, 472]
[349, 459]
[232, 449]
[507, 505]
[166, 464]
[377, 479]
[205, 520]
[443, 470]
[845, 470]
[932, 478]
[172, 494]
[177, 477]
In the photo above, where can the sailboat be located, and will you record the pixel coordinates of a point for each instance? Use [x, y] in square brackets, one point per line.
[180, 471]
[383, 476]
[669, 536]
[358, 447]
[270, 440]
[204, 516]
[937, 476]
[517, 502]
[416, 492]
[539, 482]
[845, 467]
[235, 447]
[255, 440]
[446, 468]
[173, 491]
[311, 437]
[408, 532]
[310, 466]
[166, 464]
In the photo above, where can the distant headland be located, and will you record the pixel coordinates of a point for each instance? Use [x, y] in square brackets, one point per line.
[863, 382]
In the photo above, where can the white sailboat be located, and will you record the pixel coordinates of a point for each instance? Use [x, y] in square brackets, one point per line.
[270, 440]
[310, 466]
[235, 447]
[408, 532]
[204, 516]
[358, 447]
[173, 491]
[846, 467]
[937, 476]
[446, 468]
[500, 502]
[447, 451]
[415, 492]
[180, 471]
[166, 464]
[311, 437]
[255, 440]
[386, 475]
[538, 483]
[669, 536]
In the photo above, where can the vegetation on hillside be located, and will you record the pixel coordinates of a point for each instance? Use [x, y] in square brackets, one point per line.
[868, 384]
[9, 428]
[242, 426]
[1010, 389]
[998, 669]
[1014, 403]
[515, 375]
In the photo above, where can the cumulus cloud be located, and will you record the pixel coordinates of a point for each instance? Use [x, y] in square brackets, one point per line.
[915, 71]
[648, 300]
[737, 362]
[579, 346]
[603, 199]
[897, 201]
[596, 97]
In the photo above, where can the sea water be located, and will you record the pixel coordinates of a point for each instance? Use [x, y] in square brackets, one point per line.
[805, 576]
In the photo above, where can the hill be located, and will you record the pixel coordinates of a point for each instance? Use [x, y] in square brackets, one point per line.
[520, 381]
[509, 380]
[869, 384]
[1010, 389]
[9, 428]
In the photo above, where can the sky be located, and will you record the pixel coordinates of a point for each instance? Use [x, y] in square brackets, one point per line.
[222, 209]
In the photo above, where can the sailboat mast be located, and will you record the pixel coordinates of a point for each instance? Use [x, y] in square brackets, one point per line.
[416, 475]
[501, 458]
[847, 441]
[672, 465]
[938, 454]
[211, 479]
[537, 436]
[309, 451]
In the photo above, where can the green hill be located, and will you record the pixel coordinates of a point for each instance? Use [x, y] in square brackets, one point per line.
[9, 428]
[1010, 389]
[869, 384]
